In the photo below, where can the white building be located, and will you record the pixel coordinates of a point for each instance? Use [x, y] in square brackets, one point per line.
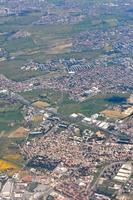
[7, 190]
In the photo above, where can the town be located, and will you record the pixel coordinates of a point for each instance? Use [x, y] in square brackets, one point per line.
[66, 100]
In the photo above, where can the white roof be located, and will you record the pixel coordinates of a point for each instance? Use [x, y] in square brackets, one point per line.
[123, 175]
[87, 119]
[124, 171]
[74, 115]
[119, 178]
[7, 188]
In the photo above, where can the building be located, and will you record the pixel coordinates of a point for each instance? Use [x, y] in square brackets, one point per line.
[7, 190]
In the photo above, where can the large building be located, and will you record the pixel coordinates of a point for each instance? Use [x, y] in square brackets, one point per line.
[7, 190]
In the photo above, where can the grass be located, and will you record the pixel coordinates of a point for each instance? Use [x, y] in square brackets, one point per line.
[22, 20]
[54, 31]
[19, 44]
[49, 95]
[9, 115]
[13, 23]
[12, 70]
[12, 157]
[89, 107]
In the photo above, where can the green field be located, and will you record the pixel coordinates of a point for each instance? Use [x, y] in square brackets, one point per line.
[66, 106]
[10, 117]
[91, 106]
[50, 96]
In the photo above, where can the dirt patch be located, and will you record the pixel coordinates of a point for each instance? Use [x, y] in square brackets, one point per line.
[19, 133]
[37, 118]
[41, 104]
[114, 114]
[61, 48]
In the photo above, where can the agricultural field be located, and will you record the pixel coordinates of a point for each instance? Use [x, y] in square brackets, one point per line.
[20, 132]
[8, 166]
[9, 152]
[10, 117]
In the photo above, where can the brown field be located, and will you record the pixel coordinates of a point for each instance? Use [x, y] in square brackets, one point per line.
[19, 133]
[8, 166]
[61, 48]
[114, 114]
[41, 104]
[37, 118]
[125, 197]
